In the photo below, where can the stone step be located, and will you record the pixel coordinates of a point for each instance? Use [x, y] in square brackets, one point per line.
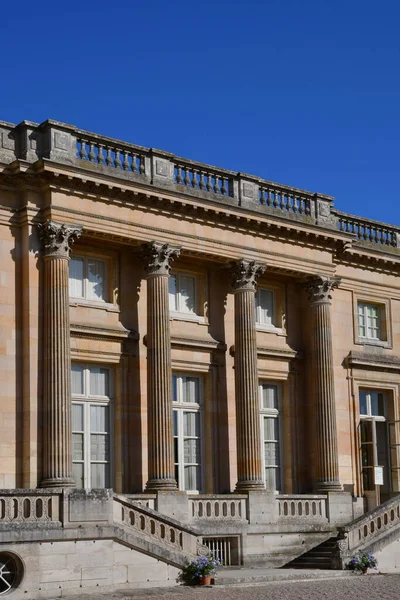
[229, 576]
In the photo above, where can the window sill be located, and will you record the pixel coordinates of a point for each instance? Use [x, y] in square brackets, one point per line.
[92, 304]
[270, 329]
[176, 316]
[377, 343]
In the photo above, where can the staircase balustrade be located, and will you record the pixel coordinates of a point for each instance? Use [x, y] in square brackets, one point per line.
[29, 506]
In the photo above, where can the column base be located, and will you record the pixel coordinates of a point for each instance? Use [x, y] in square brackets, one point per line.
[323, 487]
[161, 485]
[53, 482]
[250, 486]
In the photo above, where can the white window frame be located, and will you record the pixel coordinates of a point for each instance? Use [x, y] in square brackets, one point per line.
[271, 413]
[257, 311]
[85, 280]
[179, 406]
[366, 318]
[88, 400]
[178, 313]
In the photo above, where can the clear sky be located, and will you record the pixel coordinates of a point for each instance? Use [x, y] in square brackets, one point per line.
[303, 92]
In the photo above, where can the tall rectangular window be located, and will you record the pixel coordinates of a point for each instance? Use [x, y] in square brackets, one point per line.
[87, 278]
[187, 405]
[91, 426]
[370, 321]
[183, 293]
[264, 307]
[271, 437]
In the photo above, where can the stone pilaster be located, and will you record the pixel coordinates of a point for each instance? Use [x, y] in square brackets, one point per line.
[158, 258]
[319, 290]
[57, 240]
[249, 464]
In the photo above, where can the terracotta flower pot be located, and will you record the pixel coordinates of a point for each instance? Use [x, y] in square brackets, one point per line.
[205, 579]
[364, 570]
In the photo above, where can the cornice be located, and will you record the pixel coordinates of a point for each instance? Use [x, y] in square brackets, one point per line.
[385, 362]
[183, 342]
[104, 333]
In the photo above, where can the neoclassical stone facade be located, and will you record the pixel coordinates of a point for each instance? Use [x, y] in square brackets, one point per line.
[177, 332]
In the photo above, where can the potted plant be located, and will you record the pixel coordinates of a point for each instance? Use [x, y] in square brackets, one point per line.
[362, 562]
[201, 569]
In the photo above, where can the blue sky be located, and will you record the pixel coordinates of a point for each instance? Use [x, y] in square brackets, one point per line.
[303, 92]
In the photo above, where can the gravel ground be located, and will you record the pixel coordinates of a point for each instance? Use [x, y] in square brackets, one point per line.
[369, 587]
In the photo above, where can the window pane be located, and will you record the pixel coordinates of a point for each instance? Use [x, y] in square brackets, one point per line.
[76, 380]
[363, 403]
[77, 446]
[77, 474]
[271, 429]
[99, 381]
[95, 276]
[271, 454]
[187, 294]
[77, 417]
[191, 451]
[174, 388]
[270, 478]
[269, 394]
[191, 424]
[377, 404]
[100, 476]
[175, 422]
[76, 277]
[190, 389]
[265, 306]
[172, 292]
[99, 418]
[99, 447]
[192, 478]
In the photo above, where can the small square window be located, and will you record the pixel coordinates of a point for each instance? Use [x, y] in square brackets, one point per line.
[87, 278]
[265, 307]
[183, 293]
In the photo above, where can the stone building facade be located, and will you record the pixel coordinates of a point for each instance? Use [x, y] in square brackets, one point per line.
[215, 348]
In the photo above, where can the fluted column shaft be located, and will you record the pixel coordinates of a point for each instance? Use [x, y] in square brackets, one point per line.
[57, 452]
[327, 467]
[249, 461]
[159, 372]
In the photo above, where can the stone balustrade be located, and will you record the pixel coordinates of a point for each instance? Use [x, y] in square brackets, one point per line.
[29, 506]
[154, 526]
[312, 507]
[110, 153]
[370, 526]
[369, 231]
[284, 199]
[218, 507]
[201, 177]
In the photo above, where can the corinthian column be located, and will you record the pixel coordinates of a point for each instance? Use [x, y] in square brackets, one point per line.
[244, 275]
[158, 258]
[319, 290]
[57, 240]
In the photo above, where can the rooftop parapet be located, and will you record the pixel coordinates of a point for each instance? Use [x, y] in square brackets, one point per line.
[66, 144]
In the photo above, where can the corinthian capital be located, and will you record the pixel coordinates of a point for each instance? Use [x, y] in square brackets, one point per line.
[57, 238]
[244, 274]
[319, 288]
[158, 257]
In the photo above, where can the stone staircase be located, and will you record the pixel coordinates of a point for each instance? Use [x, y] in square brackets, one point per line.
[319, 557]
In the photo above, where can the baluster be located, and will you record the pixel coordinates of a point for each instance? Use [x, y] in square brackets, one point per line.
[224, 189]
[91, 155]
[194, 178]
[186, 181]
[275, 202]
[294, 204]
[141, 165]
[82, 152]
[109, 160]
[179, 175]
[269, 197]
[100, 157]
[387, 237]
[202, 182]
[134, 163]
[117, 161]
[282, 201]
[125, 164]
[262, 196]
[216, 184]
[209, 183]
